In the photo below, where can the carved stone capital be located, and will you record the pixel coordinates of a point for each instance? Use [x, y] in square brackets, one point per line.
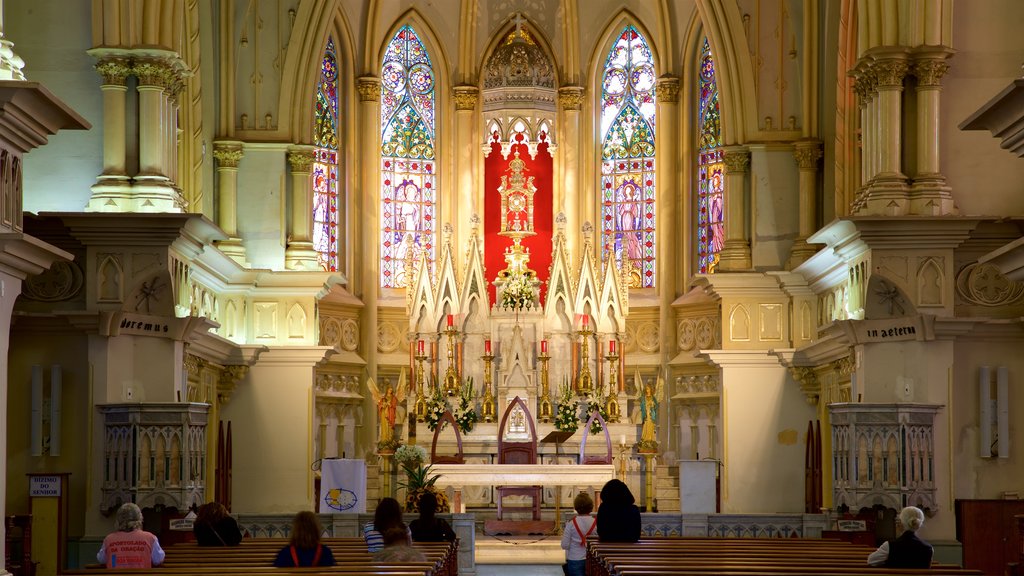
[465, 97]
[227, 155]
[152, 73]
[807, 153]
[368, 88]
[570, 97]
[300, 160]
[890, 72]
[737, 160]
[114, 71]
[229, 378]
[930, 72]
[808, 382]
[667, 89]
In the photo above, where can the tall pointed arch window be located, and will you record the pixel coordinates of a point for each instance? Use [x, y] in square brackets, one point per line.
[408, 184]
[627, 157]
[325, 162]
[710, 168]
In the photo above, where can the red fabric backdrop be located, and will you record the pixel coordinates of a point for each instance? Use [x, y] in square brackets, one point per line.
[541, 169]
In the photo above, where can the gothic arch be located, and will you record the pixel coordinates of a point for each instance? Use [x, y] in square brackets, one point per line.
[723, 24]
[499, 37]
[318, 21]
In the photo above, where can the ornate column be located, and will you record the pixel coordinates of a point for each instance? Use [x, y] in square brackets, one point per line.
[153, 188]
[669, 223]
[736, 252]
[861, 86]
[228, 154]
[570, 98]
[300, 255]
[115, 72]
[467, 201]
[929, 195]
[806, 153]
[366, 269]
[890, 184]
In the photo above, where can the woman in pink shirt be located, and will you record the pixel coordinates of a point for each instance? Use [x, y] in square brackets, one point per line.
[130, 546]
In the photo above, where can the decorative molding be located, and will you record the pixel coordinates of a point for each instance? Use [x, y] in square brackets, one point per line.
[648, 337]
[300, 160]
[807, 153]
[930, 72]
[389, 337]
[115, 71]
[808, 381]
[63, 281]
[737, 160]
[890, 72]
[368, 88]
[985, 285]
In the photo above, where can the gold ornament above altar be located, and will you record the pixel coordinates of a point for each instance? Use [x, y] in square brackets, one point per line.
[517, 192]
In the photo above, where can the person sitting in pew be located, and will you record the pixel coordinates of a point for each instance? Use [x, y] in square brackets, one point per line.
[130, 546]
[618, 518]
[304, 547]
[398, 547]
[428, 527]
[907, 551]
[387, 514]
[215, 527]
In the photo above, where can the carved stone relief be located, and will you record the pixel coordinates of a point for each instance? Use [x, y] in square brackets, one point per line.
[930, 283]
[739, 324]
[266, 319]
[109, 278]
[349, 335]
[296, 322]
[330, 331]
[770, 321]
[63, 281]
[647, 337]
[389, 337]
[985, 285]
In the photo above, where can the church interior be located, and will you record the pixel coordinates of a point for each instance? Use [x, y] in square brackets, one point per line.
[763, 260]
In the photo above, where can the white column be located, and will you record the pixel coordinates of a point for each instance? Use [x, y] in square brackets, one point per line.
[228, 155]
[888, 191]
[736, 251]
[468, 201]
[806, 153]
[570, 98]
[11, 288]
[930, 195]
[366, 206]
[300, 255]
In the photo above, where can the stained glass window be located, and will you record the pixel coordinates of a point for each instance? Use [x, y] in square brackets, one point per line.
[710, 168]
[408, 192]
[325, 162]
[627, 157]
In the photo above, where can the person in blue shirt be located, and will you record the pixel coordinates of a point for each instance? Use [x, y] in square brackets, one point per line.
[304, 547]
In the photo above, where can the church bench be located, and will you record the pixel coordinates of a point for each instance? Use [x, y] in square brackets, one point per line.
[361, 570]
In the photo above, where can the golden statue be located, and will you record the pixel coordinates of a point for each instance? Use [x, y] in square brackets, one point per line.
[387, 408]
[648, 399]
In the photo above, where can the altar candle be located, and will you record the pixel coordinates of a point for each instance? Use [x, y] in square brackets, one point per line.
[543, 346]
[487, 346]
[451, 320]
[611, 346]
[586, 321]
[622, 440]
[421, 347]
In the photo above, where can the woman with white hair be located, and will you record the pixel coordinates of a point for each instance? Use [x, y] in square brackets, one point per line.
[907, 551]
[130, 546]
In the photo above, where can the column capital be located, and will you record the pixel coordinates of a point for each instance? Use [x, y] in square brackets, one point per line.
[300, 159]
[115, 71]
[807, 153]
[227, 154]
[368, 88]
[465, 97]
[890, 72]
[667, 89]
[571, 97]
[737, 159]
[152, 73]
[930, 72]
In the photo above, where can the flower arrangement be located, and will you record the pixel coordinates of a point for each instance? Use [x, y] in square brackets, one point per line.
[595, 405]
[418, 478]
[465, 412]
[567, 415]
[436, 405]
[517, 292]
[410, 455]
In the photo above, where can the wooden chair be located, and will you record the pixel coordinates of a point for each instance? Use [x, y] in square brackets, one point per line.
[596, 458]
[458, 458]
[518, 452]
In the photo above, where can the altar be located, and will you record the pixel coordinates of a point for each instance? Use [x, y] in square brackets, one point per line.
[583, 475]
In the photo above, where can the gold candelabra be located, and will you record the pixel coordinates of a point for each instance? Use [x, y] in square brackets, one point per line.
[611, 402]
[585, 381]
[546, 412]
[452, 382]
[421, 398]
[623, 450]
[487, 410]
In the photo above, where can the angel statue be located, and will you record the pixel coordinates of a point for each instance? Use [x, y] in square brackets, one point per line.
[387, 407]
[648, 399]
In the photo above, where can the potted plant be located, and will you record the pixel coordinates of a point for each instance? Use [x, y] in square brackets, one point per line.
[418, 478]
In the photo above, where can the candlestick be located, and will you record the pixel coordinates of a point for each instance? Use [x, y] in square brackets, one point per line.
[622, 440]
[586, 321]
[487, 346]
[421, 347]
[611, 346]
[543, 346]
[451, 320]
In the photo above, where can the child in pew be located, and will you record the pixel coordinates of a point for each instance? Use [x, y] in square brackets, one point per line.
[575, 534]
[428, 527]
[130, 546]
[907, 551]
[398, 547]
[304, 547]
[215, 527]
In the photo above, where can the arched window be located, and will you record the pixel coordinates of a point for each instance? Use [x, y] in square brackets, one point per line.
[627, 157]
[325, 162]
[408, 191]
[710, 168]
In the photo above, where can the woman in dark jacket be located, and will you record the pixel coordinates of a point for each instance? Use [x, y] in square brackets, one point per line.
[214, 527]
[618, 518]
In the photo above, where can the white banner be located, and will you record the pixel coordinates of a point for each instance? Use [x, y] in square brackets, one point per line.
[342, 485]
